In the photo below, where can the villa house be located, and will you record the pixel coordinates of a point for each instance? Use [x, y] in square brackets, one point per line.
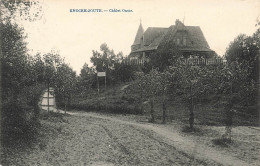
[188, 39]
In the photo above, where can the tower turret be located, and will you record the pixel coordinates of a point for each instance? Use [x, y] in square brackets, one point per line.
[138, 38]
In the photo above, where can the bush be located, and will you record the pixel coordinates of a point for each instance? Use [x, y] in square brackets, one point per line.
[124, 72]
[19, 116]
[223, 142]
[115, 105]
[17, 122]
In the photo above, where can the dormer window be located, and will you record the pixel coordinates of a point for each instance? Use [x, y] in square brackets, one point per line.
[184, 41]
[178, 41]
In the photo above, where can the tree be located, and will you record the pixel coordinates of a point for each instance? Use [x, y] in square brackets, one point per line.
[87, 77]
[193, 83]
[38, 68]
[237, 88]
[105, 61]
[165, 55]
[186, 85]
[243, 56]
[52, 61]
[86, 71]
[149, 87]
[13, 58]
[245, 49]
[124, 72]
[19, 95]
[65, 81]
[28, 10]
[165, 82]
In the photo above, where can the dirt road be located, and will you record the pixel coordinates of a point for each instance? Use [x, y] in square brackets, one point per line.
[92, 139]
[185, 146]
[82, 138]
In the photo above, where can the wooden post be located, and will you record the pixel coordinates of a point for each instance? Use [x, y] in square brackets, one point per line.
[48, 96]
[164, 102]
[98, 84]
[152, 110]
[105, 82]
[105, 90]
[191, 119]
[229, 114]
[65, 107]
[65, 101]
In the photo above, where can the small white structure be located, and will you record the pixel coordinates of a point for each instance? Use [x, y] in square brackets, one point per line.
[48, 100]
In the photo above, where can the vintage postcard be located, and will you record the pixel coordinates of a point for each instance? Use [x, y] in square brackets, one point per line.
[130, 82]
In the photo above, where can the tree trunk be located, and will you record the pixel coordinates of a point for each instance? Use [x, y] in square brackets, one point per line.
[64, 100]
[152, 110]
[229, 120]
[142, 106]
[69, 102]
[36, 83]
[191, 119]
[48, 99]
[35, 106]
[164, 112]
[142, 109]
[164, 102]
[229, 115]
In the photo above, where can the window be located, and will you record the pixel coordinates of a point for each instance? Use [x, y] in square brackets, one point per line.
[184, 41]
[178, 41]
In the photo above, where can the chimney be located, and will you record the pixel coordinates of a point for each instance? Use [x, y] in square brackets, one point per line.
[177, 21]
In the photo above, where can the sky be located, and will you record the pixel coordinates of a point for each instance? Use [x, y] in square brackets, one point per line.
[75, 34]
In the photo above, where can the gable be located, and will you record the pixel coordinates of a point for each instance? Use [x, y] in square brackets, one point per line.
[196, 37]
[186, 38]
[153, 35]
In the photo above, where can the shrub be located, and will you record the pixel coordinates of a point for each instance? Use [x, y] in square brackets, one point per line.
[19, 116]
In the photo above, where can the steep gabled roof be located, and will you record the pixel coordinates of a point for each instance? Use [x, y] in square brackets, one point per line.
[170, 33]
[154, 36]
[139, 35]
[196, 35]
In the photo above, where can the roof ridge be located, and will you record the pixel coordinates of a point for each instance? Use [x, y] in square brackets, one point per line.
[191, 26]
[158, 27]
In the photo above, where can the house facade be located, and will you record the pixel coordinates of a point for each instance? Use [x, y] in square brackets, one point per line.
[189, 40]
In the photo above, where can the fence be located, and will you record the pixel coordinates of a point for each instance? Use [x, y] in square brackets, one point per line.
[203, 61]
[135, 61]
[188, 61]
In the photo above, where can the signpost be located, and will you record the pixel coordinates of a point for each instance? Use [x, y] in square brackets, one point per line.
[101, 74]
[48, 99]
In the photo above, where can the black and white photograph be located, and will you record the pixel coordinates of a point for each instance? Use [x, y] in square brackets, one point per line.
[129, 82]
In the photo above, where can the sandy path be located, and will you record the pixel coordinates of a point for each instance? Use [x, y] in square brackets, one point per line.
[171, 138]
[93, 141]
[199, 151]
